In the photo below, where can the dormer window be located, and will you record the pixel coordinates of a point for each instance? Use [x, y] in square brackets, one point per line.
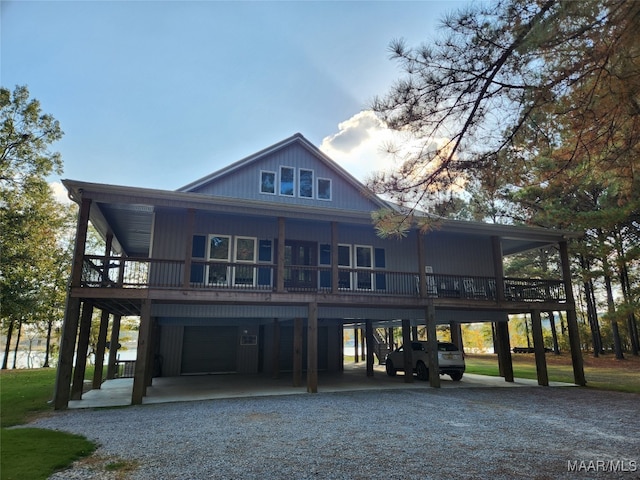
[287, 181]
[324, 189]
[268, 182]
[306, 183]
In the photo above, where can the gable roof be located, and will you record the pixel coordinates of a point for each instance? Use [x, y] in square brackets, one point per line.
[296, 139]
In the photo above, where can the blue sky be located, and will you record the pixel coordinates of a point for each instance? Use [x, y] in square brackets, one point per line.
[158, 93]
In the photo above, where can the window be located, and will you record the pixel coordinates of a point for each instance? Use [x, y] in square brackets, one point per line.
[306, 183]
[344, 263]
[364, 260]
[324, 189]
[287, 181]
[219, 251]
[268, 182]
[198, 251]
[245, 252]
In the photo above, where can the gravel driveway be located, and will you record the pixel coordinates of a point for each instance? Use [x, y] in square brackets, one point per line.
[538, 433]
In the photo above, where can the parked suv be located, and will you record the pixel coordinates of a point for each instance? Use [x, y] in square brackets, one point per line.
[450, 360]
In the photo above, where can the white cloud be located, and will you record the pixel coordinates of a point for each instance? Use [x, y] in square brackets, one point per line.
[360, 144]
[59, 192]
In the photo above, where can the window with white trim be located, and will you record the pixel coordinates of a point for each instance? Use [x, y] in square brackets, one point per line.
[305, 184]
[219, 251]
[287, 181]
[344, 263]
[364, 260]
[324, 189]
[245, 252]
[267, 182]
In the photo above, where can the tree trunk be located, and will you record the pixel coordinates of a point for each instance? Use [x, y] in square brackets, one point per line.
[7, 347]
[611, 308]
[48, 348]
[631, 318]
[592, 314]
[554, 333]
[15, 351]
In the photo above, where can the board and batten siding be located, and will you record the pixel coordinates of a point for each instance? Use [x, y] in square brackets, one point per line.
[244, 183]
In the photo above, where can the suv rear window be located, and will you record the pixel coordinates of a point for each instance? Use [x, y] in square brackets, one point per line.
[447, 347]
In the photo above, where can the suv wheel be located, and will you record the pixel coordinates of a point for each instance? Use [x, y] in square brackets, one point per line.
[422, 371]
[456, 376]
[391, 371]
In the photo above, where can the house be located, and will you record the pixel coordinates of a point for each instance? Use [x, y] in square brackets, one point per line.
[260, 266]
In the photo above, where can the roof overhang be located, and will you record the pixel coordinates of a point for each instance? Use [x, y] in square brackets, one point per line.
[127, 213]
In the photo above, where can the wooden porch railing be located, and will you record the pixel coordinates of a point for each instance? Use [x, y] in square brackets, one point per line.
[129, 272]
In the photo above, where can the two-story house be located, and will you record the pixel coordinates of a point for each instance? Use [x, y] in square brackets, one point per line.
[260, 266]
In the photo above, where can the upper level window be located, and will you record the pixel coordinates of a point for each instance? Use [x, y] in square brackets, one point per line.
[324, 189]
[306, 183]
[268, 182]
[287, 181]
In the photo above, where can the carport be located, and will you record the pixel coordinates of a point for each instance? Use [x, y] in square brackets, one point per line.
[118, 392]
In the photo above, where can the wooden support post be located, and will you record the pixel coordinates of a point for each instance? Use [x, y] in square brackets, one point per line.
[275, 357]
[407, 351]
[390, 339]
[414, 333]
[61, 392]
[356, 344]
[188, 243]
[572, 322]
[81, 353]
[503, 350]
[100, 347]
[65, 360]
[455, 329]
[144, 344]
[312, 349]
[297, 352]
[432, 346]
[369, 340]
[335, 275]
[280, 266]
[498, 267]
[538, 346]
[113, 347]
[422, 276]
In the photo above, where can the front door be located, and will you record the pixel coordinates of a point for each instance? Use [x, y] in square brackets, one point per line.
[303, 255]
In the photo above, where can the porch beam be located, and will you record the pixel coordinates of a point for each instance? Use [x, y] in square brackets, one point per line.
[100, 348]
[113, 347]
[312, 349]
[297, 352]
[280, 265]
[335, 276]
[538, 347]
[432, 346]
[498, 267]
[62, 388]
[275, 357]
[369, 342]
[191, 223]
[572, 322]
[144, 344]
[407, 351]
[422, 275]
[505, 361]
[81, 353]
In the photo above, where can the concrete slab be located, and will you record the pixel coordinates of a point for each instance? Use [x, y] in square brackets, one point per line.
[116, 393]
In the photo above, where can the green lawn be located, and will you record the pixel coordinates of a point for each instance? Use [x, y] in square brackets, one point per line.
[604, 372]
[32, 453]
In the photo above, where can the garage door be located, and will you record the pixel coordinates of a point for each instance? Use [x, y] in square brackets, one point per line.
[209, 350]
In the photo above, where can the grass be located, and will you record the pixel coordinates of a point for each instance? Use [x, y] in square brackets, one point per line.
[604, 372]
[33, 453]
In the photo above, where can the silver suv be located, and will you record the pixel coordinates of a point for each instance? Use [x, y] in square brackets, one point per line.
[450, 360]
